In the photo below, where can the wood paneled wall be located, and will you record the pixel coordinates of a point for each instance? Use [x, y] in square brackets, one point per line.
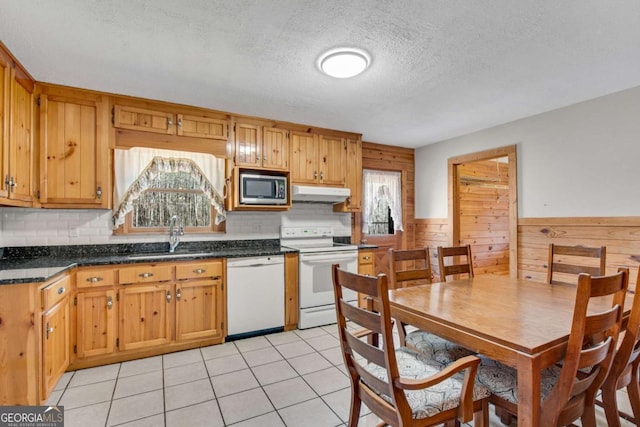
[390, 158]
[621, 236]
[431, 233]
[484, 214]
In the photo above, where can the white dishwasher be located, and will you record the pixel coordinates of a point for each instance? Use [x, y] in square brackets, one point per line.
[255, 296]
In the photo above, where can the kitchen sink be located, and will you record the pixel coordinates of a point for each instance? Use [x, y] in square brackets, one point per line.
[168, 255]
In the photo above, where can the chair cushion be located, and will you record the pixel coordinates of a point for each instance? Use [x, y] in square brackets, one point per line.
[433, 347]
[429, 401]
[502, 380]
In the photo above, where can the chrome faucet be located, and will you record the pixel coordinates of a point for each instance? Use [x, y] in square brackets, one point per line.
[175, 231]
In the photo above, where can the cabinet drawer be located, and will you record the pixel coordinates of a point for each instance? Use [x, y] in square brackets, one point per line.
[94, 278]
[365, 258]
[55, 292]
[146, 273]
[195, 270]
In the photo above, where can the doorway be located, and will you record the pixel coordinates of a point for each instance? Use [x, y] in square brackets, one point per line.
[483, 208]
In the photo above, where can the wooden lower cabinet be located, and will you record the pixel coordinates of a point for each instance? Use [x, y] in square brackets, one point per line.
[95, 319]
[55, 345]
[145, 316]
[365, 266]
[199, 310]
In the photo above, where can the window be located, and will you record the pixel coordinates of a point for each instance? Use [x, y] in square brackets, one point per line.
[382, 202]
[148, 196]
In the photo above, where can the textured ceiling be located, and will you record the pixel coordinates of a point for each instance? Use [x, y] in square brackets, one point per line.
[440, 69]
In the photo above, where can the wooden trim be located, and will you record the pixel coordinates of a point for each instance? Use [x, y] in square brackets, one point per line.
[510, 152]
[628, 221]
[131, 138]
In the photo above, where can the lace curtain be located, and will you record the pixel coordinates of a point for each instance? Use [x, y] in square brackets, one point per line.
[379, 185]
[135, 169]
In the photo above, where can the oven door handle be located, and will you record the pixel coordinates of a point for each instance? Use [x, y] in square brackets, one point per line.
[323, 258]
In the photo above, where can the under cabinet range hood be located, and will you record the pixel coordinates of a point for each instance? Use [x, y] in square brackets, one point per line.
[310, 193]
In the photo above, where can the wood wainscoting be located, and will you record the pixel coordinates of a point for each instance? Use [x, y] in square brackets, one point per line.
[621, 236]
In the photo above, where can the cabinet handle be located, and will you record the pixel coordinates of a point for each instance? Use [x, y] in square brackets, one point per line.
[169, 123]
[94, 279]
[315, 174]
[366, 258]
[257, 159]
[199, 270]
[178, 294]
[264, 159]
[109, 303]
[99, 193]
[61, 290]
[48, 330]
[145, 275]
[168, 297]
[180, 122]
[216, 277]
[321, 175]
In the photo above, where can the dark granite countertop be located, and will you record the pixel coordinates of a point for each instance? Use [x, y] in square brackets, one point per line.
[40, 263]
[367, 246]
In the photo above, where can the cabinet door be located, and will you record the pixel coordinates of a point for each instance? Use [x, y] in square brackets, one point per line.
[21, 141]
[5, 91]
[353, 178]
[198, 309]
[248, 145]
[55, 344]
[202, 127]
[95, 322]
[143, 120]
[275, 149]
[304, 158]
[332, 161]
[365, 266]
[74, 152]
[145, 316]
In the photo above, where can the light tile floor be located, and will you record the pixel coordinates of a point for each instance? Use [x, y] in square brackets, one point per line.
[293, 379]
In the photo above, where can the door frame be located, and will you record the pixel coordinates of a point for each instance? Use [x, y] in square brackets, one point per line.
[454, 197]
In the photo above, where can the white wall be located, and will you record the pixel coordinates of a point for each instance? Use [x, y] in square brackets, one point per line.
[46, 227]
[581, 160]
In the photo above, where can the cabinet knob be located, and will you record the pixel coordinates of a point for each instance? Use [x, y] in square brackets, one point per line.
[257, 159]
[61, 290]
[94, 279]
[99, 193]
[315, 174]
[169, 123]
[168, 296]
[109, 303]
[180, 123]
[178, 294]
[264, 159]
[145, 275]
[366, 258]
[199, 270]
[321, 175]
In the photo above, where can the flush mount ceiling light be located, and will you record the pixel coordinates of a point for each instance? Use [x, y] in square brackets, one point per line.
[343, 63]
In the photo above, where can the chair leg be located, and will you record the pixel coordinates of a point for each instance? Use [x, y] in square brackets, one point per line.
[452, 423]
[589, 416]
[481, 418]
[354, 415]
[610, 404]
[402, 333]
[633, 389]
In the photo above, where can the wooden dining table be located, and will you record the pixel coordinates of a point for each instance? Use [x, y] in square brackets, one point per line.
[519, 322]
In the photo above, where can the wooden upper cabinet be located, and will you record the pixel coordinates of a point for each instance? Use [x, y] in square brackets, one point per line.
[332, 160]
[16, 133]
[304, 158]
[74, 147]
[318, 159]
[169, 123]
[275, 148]
[353, 177]
[248, 145]
[261, 147]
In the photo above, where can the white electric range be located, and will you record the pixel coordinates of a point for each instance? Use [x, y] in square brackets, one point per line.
[318, 253]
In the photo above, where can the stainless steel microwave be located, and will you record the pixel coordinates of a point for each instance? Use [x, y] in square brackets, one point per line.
[259, 189]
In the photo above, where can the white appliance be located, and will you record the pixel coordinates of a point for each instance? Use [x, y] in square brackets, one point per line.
[310, 193]
[255, 295]
[318, 253]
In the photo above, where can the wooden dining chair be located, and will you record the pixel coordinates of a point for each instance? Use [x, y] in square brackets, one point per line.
[454, 268]
[569, 391]
[566, 262]
[430, 345]
[395, 384]
[624, 370]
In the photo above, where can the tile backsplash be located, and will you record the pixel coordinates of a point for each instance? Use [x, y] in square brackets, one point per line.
[46, 227]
